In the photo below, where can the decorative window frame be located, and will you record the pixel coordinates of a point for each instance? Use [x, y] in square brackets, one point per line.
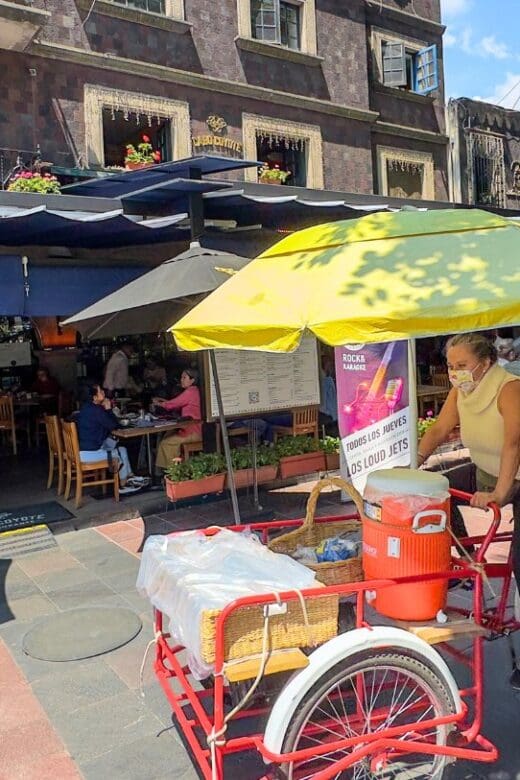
[387, 153]
[309, 44]
[377, 36]
[97, 98]
[252, 123]
[173, 19]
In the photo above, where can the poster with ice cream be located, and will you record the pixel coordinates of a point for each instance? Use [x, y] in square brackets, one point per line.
[373, 407]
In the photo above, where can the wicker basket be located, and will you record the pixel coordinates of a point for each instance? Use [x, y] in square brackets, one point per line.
[311, 534]
[243, 630]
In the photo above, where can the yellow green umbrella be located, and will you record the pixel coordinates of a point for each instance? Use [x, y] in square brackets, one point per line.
[378, 278]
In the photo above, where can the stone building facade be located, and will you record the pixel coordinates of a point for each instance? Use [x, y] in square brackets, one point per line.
[345, 95]
[484, 158]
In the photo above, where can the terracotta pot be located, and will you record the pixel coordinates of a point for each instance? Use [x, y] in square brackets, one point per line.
[195, 487]
[244, 477]
[332, 461]
[269, 181]
[295, 465]
[135, 166]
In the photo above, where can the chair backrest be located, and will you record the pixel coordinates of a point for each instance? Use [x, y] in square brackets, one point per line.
[6, 409]
[305, 419]
[54, 435]
[65, 404]
[71, 443]
[441, 380]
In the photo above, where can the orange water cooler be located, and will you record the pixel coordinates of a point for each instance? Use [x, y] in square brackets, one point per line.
[405, 533]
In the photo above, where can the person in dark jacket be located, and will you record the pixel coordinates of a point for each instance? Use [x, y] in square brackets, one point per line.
[96, 421]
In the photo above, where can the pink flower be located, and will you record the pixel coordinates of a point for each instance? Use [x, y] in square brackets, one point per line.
[146, 139]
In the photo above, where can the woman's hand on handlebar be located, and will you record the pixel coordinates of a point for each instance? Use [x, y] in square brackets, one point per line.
[483, 499]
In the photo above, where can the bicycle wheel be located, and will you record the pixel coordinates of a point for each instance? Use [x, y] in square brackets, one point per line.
[372, 693]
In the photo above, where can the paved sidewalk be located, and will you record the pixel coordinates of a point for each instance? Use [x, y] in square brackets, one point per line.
[87, 719]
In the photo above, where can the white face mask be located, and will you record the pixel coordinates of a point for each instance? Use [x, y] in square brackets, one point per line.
[463, 379]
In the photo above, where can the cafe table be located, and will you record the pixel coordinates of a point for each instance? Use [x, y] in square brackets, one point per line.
[148, 429]
[431, 393]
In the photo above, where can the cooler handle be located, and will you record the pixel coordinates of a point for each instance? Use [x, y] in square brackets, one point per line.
[431, 528]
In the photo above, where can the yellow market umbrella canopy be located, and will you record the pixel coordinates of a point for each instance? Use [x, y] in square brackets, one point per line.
[379, 278]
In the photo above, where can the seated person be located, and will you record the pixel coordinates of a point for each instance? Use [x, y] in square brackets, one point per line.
[154, 375]
[48, 388]
[96, 421]
[187, 404]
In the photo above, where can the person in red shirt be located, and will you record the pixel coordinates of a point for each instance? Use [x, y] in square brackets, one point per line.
[48, 389]
[187, 404]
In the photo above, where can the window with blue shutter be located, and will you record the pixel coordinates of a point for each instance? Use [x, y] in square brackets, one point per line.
[426, 70]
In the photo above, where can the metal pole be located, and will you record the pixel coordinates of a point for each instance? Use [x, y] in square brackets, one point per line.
[225, 439]
[412, 401]
[254, 434]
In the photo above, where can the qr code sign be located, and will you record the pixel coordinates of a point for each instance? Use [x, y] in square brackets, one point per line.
[254, 397]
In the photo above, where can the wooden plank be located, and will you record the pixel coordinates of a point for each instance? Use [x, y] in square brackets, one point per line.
[278, 661]
[433, 632]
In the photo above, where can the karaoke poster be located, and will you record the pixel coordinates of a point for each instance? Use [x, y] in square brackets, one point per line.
[373, 407]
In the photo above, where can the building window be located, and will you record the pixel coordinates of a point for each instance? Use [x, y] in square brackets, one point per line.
[114, 118]
[294, 147]
[276, 21]
[287, 23]
[487, 178]
[152, 6]
[405, 63]
[405, 174]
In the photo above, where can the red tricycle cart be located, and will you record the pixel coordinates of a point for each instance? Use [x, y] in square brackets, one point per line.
[375, 701]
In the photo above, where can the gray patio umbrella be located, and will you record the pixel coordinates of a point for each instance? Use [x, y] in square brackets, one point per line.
[152, 302]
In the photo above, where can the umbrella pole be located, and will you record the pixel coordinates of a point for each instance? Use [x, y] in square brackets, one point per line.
[412, 401]
[225, 439]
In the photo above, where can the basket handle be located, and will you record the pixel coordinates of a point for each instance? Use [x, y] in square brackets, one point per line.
[330, 482]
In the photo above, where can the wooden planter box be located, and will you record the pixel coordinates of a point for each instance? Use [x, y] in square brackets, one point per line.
[332, 461]
[244, 477]
[295, 465]
[176, 491]
[136, 166]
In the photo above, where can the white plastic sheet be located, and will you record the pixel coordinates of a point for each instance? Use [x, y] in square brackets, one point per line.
[185, 574]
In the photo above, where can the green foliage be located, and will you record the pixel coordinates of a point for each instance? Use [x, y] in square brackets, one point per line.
[144, 153]
[330, 445]
[423, 423]
[267, 174]
[197, 467]
[34, 182]
[242, 457]
[295, 445]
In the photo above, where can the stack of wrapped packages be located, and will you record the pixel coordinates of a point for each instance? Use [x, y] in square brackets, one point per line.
[189, 574]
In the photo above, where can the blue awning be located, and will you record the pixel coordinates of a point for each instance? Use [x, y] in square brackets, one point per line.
[57, 290]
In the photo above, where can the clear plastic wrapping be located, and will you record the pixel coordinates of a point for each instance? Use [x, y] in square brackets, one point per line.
[185, 574]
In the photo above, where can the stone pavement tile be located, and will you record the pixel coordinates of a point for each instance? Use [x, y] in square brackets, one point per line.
[121, 530]
[123, 581]
[156, 757]
[93, 592]
[10, 672]
[77, 686]
[17, 584]
[26, 743]
[56, 580]
[18, 705]
[58, 766]
[80, 540]
[134, 546]
[25, 609]
[46, 561]
[94, 730]
[106, 562]
[126, 661]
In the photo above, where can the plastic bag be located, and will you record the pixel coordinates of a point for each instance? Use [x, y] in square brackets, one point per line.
[337, 548]
[185, 574]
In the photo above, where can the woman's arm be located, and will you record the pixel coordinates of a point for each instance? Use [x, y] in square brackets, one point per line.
[509, 408]
[175, 403]
[447, 420]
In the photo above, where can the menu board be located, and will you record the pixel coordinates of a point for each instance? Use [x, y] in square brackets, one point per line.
[254, 382]
[16, 354]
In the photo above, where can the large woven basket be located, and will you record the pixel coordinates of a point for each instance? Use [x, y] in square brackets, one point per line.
[243, 630]
[311, 534]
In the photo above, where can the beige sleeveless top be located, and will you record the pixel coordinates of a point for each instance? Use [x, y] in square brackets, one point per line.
[481, 424]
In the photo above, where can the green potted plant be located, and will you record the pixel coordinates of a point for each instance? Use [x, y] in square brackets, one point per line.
[34, 182]
[242, 461]
[299, 455]
[272, 175]
[423, 423]
[141, 156]
[330, 447]
[201, 474]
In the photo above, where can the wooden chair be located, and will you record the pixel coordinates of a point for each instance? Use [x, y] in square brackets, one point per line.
[85, 474]
[190, 447]
[441, 380]
[304, 420]
[56, 453]
[7, 423]
[243, 430]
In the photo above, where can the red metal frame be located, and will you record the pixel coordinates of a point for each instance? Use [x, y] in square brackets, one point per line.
[198, 723]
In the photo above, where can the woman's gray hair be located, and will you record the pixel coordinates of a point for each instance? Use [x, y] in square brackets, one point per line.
[480, 345]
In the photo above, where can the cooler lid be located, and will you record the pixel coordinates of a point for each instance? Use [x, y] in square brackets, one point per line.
[410, 482]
